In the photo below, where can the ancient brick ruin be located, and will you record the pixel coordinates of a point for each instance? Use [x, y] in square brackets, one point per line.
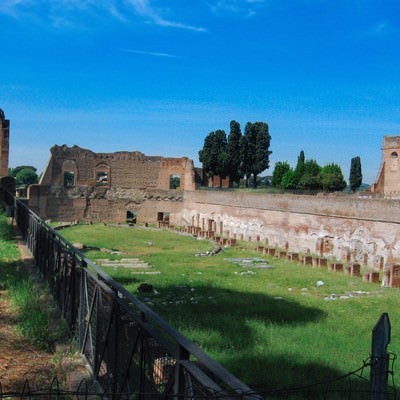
[336, 232]
[388, 181]
[79, 184]
[4, 144]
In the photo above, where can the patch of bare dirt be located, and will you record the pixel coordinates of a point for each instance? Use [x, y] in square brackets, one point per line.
[19, 360]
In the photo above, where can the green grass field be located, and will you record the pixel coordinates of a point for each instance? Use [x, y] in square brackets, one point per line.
[271, 327]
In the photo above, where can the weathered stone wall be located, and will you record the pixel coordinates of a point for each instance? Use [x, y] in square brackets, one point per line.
[348, 228]
[101, 204]
[107, 186]
[123, 169]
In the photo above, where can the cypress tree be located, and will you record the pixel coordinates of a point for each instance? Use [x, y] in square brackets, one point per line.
[355, 178]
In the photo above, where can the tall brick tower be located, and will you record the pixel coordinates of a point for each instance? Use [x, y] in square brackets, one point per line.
[388, 180]
[4, 143]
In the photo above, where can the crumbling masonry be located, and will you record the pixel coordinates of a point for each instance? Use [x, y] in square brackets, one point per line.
[81, 185]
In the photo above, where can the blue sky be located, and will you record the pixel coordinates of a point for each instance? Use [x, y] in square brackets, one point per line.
[157, 76]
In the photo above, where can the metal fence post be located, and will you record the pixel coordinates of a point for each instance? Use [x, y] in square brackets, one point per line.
[180, 381]
[380, 358]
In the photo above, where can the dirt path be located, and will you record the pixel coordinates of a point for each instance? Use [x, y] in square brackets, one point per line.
[20, 361]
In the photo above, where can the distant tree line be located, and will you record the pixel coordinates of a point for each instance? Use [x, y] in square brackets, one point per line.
[308, 175]
[238, 155]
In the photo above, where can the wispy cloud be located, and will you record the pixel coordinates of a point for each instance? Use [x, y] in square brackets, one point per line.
[63, 12]
[380, 29]
[247, 8]
[149, 53]
[144, 8]
[14, 8]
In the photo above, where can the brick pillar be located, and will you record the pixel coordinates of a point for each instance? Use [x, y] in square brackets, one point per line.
[4, 144]
[394, 276]
[355, 269]
[307, 260]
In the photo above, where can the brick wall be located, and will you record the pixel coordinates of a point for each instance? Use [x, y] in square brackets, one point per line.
[348, 228]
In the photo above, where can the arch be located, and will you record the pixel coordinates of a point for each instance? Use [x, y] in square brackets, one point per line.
[394, 161]
[175, 181]
[102, 174]
[69, 173]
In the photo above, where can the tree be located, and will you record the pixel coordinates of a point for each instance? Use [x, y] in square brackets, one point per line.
[332, 178]
[355, 173]
[299, 170]
[311, 179]
[255, 150]
[214, 155]
[14, 171]
[289, 180]
[233, 153]
[281, 167]
[24, 175]
[245, 158]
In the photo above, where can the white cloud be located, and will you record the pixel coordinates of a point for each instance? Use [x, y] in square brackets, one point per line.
[149, 53]
[13, 7]
[154, 15]
[248, 8]
[380, 28]
[62, 13]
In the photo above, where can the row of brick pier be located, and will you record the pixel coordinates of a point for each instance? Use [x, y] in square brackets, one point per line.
[390, 273]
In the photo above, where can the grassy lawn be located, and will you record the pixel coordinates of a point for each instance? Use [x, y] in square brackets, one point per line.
[271, 327]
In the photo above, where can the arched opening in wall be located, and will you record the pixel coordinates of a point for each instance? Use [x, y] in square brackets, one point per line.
[131, 216]
[394, 161]
[174, 181]
[69, 173]
[102, 175]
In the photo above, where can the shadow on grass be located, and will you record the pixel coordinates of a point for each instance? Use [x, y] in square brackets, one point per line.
[226, 321]
[10, 270]
[286, 378]
[229, 311]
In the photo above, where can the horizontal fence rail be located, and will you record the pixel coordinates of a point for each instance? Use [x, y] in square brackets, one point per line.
[132, 351]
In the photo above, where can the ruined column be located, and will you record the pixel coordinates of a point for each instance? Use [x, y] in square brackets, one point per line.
[4, 144]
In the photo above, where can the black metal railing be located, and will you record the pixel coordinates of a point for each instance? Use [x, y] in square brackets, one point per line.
[131, 350]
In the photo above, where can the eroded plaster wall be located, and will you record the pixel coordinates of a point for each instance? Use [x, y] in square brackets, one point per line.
[349, 228]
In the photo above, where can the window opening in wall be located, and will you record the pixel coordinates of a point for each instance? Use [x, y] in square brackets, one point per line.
[394, 155]
[101, 178]
[174, 181]
[163, 219]
[131, 216]
[69, 179]
[163, 216]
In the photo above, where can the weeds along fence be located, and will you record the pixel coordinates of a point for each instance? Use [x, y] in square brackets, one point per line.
[130, 349]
